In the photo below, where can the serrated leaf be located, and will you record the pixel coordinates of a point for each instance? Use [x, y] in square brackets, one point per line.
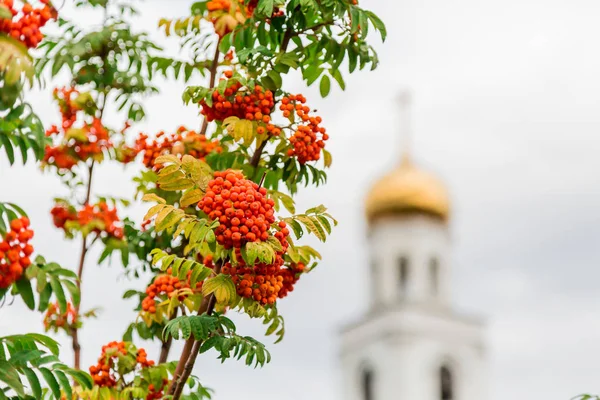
[313, 226]
[222, 286]
[167, 158]
[153, 197]
[190, 197]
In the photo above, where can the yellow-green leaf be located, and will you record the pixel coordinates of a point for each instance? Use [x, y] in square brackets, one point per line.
[312, 226]
[153, 197]
[327, 159]
[221, 286]
[167, 158]
[155, 209]
[191, 197]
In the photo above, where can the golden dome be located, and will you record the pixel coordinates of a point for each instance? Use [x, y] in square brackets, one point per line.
[408, 189]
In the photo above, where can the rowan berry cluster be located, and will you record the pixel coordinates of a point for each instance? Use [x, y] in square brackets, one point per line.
[15, 251]
[290, 275]
[225, 15]
[61, 214]
[166, 285]
[182, 142]
[265, 282]
[242, 208]
[73, 144]
[239, 101]
[310, 137]
[97, 218]
[25, 26]
[55, 319]
[105, 372]
[156, 393]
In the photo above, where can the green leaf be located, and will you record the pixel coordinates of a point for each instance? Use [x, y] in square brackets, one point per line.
[325, 85]
[337, 75]
[34, 382]
[10, 376]
[44, 296]
[276, 78]
[51, 380]
[50, 343]
[5, 12]
[8, 148]
[64, 383]
[191, 197]
[269, 83]
[153, 197]
[222, 286]
[74, 291]
[378, 24]
[59, 293]
[265, 7]
[24, 287]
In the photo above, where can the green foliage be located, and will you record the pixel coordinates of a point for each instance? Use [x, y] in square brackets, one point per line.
[316, 221]
[180, 267]
[314, 37]
[136, 242]
[115, 59]
[218, 332]
[195, 230]
[26, 361]
[15, 61]
[20, 128]
[187, 174]
[48, 279]
[221, 287]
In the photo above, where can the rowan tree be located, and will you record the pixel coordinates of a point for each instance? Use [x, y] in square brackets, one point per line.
[222, 233]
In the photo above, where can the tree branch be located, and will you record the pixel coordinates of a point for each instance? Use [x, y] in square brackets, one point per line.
[190, 349]
[213, 78]
[84, 249]
[165, 347]
[257, 154]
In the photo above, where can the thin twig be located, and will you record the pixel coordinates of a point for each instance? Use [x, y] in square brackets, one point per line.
[165, 347]
[191, 348]
[213, 78]
[262, 180]
[84, 249]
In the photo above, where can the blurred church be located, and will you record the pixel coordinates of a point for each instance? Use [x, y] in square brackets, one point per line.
[412, 344]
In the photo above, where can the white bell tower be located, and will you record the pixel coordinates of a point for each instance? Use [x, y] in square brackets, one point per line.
[411, 345]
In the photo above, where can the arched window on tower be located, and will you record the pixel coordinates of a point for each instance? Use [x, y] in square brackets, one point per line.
[367, 384]
[403, 272]
[434, 275]
[446, 384]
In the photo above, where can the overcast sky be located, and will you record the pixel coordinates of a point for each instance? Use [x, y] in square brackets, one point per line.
[506, 111]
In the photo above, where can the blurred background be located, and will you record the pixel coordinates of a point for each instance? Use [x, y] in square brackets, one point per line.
[505, 111]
